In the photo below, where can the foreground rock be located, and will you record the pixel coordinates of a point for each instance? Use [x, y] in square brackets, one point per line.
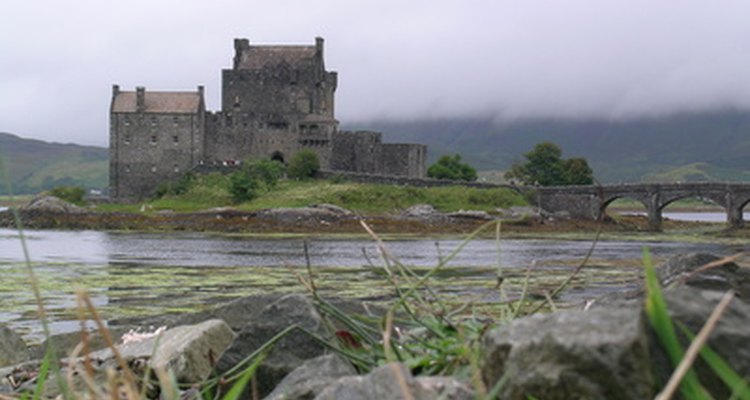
[610, 352]
[395, 382]
[601, 354]
[289, 352]
[310, 378]
[690, 270]
[12, 347]
[321, 213]
[187, 351]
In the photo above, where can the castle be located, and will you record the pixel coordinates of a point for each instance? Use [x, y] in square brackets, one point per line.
[276, 101]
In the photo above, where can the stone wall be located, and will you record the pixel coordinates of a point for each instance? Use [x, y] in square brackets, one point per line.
[148, 149]
[406, 181]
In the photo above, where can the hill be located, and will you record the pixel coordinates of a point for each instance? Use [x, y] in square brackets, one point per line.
[687, 147]
[35, 165]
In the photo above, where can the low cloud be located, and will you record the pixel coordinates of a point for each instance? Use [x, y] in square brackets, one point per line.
[419, 59]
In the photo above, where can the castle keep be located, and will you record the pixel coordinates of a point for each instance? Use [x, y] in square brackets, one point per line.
[276, 100]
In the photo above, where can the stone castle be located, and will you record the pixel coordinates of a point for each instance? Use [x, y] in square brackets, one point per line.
[276, 101]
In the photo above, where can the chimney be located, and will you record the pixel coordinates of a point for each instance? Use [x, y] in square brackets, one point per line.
[240, 45]
[115, 90]
[140, 99]
[319, 44]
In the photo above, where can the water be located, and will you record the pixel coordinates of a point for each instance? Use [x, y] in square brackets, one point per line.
[131, 274]
[695, 216]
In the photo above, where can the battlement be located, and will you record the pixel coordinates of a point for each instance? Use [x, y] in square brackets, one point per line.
[276, 101]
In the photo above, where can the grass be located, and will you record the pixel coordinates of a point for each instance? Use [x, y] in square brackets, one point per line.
[210, 191]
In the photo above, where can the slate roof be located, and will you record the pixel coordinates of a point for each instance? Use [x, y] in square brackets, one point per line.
[159, 102]
[256, 57]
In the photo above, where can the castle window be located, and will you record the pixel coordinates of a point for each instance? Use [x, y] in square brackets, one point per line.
[153, 139]
[126, 139]
[176, 168]
[127, 121]
[153, 168]
[127, 167]
[153, 121]
[175, 139]
[175, 120]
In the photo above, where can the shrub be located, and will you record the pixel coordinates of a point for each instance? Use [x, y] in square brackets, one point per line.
[255, 177]
[71, 194]
[304, 165]
[451, 167]
[179, 187]
[545, 166]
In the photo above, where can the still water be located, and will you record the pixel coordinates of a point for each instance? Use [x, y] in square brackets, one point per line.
[128, 274]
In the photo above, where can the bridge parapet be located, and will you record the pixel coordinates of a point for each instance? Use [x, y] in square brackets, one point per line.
[590, 202]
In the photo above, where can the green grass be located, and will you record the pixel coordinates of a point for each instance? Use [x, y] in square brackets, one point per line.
[210, 191]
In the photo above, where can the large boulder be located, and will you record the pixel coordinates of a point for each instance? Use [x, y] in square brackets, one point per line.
[12, 347]
[730, 338]
[187, 351]
[611, 352]
[310, 378]
[599, 354]
[682, 270]
[395, 382]
[289, 352]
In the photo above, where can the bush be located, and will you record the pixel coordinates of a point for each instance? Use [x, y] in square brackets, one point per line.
[71, 194]
[176, 188]
[255, 177]
[451, 167]
[304, 165]
[545, 166]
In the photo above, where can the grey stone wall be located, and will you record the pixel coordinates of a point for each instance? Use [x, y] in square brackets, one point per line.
[148, 149]
[407, 181]
[276, 100]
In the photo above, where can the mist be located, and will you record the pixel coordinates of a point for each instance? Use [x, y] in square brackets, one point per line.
[396, 60]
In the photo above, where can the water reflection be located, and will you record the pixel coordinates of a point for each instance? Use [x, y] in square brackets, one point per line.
[148, 273]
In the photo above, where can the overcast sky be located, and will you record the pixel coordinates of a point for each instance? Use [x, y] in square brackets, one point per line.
[396, 59]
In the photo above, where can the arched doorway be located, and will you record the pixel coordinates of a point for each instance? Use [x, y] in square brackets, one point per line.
[277, 156]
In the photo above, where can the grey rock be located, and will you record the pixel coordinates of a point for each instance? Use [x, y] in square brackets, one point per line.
[12, 347]
[187, 351]
[470, 214]
[679, 270]
[599, 354]
[300, 214]
[520, 212]
[44, 202]
[421, 211]
[395, 382]
[691, 307]
[310, 378]
[289, 352]
[332, 208]
[64, 343]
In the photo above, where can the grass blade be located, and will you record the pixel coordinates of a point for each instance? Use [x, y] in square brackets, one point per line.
[236, 391]
[656, 310]
[695, 346]
[739, 386]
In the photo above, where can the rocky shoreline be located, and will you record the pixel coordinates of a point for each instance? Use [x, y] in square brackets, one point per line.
[606, 349]
[51, 213]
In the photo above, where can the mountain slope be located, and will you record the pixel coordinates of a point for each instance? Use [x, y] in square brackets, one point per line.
[618, 150]
[35, 165]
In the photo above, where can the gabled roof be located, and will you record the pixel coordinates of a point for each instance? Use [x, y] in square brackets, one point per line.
[158, 102]
[256, 57]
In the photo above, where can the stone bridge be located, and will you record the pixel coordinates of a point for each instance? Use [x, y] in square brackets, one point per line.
[590, 202]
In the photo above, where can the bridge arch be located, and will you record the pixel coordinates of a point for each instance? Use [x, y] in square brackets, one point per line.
[607, 201]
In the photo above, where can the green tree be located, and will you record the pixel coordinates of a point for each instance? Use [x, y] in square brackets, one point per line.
[304, 165]
[545, 166]
[451, 167]
[577, 172]
[71, 194]
[254, 178]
